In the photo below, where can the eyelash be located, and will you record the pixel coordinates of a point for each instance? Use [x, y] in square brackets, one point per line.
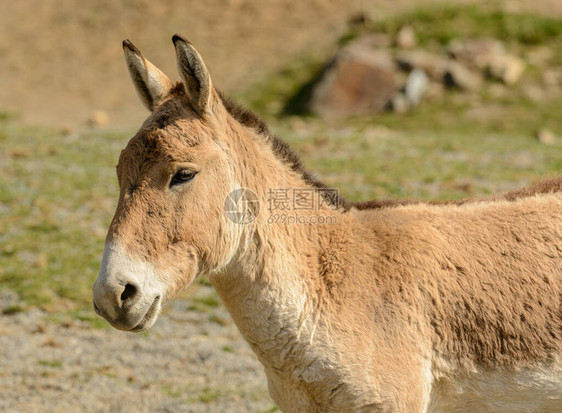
[182, 176]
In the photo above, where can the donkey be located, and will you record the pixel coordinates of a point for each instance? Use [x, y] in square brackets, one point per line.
[355, 307]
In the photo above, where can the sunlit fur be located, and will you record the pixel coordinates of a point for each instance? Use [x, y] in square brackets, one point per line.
[394, 308]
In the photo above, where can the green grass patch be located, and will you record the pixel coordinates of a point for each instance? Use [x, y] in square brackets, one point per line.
[443, 22]
[57, 195]
[89, 317]
[51, 363]
[227, 349]
[208, 395]
[206, 304]
[270, 410]
[13, 309]
[173, 391]
[6, 115]
[210, 300]
[513, 115]
[284, 91]
[215, 318]
[455, 163]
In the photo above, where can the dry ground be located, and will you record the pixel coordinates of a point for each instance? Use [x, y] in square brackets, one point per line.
[59, 62]
[195, 362]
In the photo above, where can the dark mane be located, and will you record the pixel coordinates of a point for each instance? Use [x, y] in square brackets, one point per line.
[282, 150]
[543, 187]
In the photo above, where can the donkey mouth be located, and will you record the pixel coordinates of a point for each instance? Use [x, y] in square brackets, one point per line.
[149, 318]
[123, 322]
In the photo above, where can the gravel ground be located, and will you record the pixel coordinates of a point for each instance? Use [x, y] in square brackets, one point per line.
[190, 364]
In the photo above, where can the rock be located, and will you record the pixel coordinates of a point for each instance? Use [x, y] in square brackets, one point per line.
[363, 52]
[98, 118]
[477, 53]
[457, 75]
[406, 38]
[546, 136]
[416, 86]
[433, 65]
[373, 40]
[358, 80]
[450, 72]
[399, 103]
[507, 68]
[435, 91]
[490, 56]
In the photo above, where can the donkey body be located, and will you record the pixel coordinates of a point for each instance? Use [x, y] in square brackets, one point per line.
[406, 307]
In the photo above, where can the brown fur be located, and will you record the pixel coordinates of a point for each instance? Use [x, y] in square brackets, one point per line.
[398, 306]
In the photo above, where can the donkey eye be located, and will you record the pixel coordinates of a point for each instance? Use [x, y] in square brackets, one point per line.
[182, 176]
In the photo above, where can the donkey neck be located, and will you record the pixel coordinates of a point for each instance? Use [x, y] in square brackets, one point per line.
[271, 285]
[269, 288]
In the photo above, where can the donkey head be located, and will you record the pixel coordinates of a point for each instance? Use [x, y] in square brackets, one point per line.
[174, 176]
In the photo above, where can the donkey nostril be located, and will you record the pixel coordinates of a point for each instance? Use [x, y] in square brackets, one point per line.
[129, 292]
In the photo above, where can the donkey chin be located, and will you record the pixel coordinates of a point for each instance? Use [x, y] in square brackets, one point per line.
[127, 292]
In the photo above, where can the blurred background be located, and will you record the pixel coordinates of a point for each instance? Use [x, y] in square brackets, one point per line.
[383, 99]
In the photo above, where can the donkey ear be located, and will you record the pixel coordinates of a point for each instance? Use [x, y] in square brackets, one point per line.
[151, 84]
[194, 74]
